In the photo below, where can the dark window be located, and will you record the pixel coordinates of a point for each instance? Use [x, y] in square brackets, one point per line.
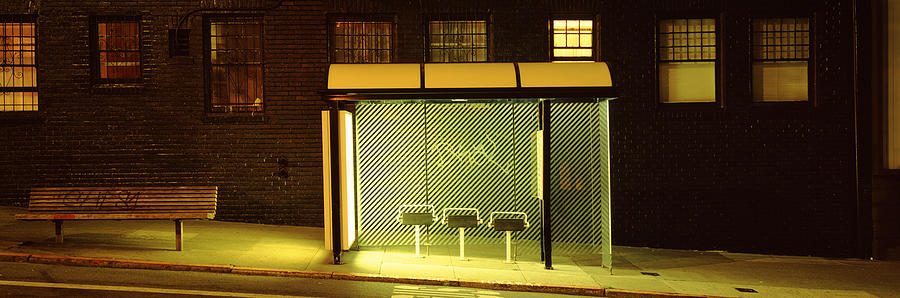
[118, 50]
[361, 42]
[235, 64]
[781, 59]
[687, 60]
[573, 39]
[18, 68]
[457, 41]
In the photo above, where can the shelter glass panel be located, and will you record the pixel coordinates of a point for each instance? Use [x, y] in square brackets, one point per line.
[580, 181]
[450, 155]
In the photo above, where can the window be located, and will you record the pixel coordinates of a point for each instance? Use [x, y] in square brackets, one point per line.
[361, 42]
[235, 64]
[117, 55]
[687, 60]
[781, 59]
[573, 40]
[18, 68]
[892, 86]
[457, 41]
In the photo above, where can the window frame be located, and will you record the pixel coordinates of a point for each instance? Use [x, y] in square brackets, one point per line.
[207, 62]
[25, 18]
[95, 48]
[595, 36]
[488, 30]
[358, 17]
[811, 100]
[719, 17]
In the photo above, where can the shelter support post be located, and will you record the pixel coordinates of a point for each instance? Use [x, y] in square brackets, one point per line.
[545, 207]
[335, 185]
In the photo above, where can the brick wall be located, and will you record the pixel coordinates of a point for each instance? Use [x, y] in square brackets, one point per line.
[746, 177]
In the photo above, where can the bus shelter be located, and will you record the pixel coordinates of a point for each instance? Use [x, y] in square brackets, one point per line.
[476, 155]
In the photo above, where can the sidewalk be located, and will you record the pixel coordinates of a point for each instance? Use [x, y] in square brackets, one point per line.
[299, 251]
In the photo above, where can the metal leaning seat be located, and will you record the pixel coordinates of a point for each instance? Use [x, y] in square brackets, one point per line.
[517, 221]
[406, 217]
[461, 221]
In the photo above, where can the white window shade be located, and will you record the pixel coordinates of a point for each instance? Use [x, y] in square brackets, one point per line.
[780, 81]
[687, 82]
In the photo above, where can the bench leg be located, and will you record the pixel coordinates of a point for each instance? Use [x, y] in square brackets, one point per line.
[178, 229]
[59, 235]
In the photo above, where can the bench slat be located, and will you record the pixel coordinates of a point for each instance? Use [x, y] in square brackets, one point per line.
[116, 216]
[122, 208]
[119, 193]
[123, 211]
[142, 195]
[126, 188]
[121, 201]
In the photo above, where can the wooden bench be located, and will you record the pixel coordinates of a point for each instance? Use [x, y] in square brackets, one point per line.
[175, 203]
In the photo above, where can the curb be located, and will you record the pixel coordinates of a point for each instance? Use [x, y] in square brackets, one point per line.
[491, 285]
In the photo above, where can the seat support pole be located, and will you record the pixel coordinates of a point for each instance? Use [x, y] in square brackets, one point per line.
[178, 232]
[417, 242]
[508, 247]
[59, 235]
[462, 244]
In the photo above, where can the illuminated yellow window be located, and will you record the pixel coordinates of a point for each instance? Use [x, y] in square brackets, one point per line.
[687, 60]
[457, 41]
[18, 70]
[573, 39]
[781, 59]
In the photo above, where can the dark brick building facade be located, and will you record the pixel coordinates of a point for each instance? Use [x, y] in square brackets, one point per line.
[735, 175]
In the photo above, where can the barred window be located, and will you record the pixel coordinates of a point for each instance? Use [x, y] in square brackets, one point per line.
[573, 39]
[687, 60]
[361, 42]
[781, 56]
[118, 55]
[235, 64]
[457, 41]
[18, 69]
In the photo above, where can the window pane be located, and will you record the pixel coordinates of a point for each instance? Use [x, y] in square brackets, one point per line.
[780, 59]
[18, 72]
[118, 46]
[361, 42]
[687, 40]
[892, 73]
[457, 41]
[572, 38]
[236, 78]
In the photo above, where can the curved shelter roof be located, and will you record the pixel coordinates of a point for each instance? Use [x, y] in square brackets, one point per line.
[469, 80]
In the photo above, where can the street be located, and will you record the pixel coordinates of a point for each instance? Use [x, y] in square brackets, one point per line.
[36, 280]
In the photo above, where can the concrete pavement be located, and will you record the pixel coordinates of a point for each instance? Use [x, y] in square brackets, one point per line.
[256, 249]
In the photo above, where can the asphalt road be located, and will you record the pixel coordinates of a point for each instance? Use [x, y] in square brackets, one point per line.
[36, 280]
